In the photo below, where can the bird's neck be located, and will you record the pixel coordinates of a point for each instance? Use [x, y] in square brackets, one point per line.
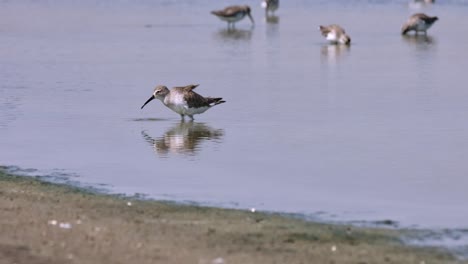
[160, 97]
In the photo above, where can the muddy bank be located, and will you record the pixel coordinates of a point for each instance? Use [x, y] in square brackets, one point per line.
[48, 223]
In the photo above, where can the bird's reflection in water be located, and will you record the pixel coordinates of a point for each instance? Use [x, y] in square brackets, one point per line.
[183, 138]
[272, 19]
[418, 39]
[418, 4]
[333, 52]
[234, 34]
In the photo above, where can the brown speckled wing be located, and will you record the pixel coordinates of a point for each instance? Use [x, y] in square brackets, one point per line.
[339, 30]
[228, 11]
[186, 88]
[421, 16]
[195, 100]
[327, 29]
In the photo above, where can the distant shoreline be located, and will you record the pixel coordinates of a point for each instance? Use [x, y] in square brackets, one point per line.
[52, 223]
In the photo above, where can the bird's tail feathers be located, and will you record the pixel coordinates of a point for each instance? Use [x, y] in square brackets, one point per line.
[215, 101]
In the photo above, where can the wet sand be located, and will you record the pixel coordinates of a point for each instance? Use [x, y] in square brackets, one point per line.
[50, 223]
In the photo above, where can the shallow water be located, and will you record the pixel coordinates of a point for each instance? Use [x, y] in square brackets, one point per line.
[370, 132]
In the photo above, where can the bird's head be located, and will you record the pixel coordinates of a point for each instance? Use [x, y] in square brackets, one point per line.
[160, 92]
[247, 11]
[345, 39]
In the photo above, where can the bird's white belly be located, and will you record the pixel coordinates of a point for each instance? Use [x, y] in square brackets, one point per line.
[235, 18]
[180, 109]
[422, 26]
[185, 110]
[179, 105]
[332, 37]
[195, 111]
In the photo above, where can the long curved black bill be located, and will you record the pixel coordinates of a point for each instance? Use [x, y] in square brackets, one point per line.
[251, 18]
[149, 100]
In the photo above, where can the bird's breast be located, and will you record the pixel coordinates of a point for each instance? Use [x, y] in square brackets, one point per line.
[176, 103]
[234, 18]
[331, 36]
[421, 25]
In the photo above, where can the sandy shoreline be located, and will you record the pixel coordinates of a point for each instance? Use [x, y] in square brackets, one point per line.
[49, 223]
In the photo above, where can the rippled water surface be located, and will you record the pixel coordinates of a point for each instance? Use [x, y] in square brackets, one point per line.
[377, 130]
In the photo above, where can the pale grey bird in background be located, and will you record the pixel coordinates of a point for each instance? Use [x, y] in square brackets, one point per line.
[270, 5]
[419, 23]
[335, 34]
[232, 14]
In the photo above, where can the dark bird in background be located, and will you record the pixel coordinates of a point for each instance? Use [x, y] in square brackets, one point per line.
[232, 14]
[419, 23]
[270, 5]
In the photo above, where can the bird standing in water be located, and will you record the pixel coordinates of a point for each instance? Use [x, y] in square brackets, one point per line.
[270, 5]
[418, 22]
[232, 14]
[335, 34]
[183, 100]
